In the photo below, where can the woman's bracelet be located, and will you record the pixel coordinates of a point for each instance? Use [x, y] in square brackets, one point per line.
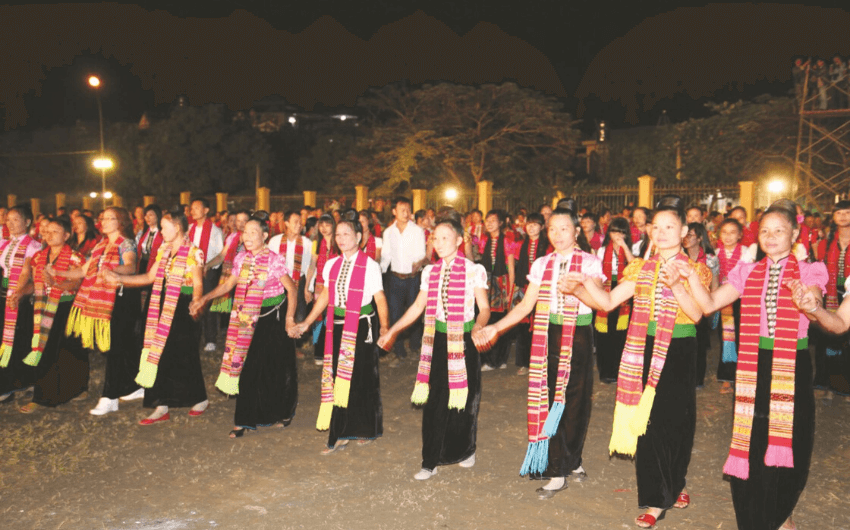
[817, 306]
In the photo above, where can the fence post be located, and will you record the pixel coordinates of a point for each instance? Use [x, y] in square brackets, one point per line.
[419, 199]
[118, 201]
[310, 199]
[35, 206]
[11, 200]
[220, 202]
[485, 196]
[646, 191]
[747, 197]
[263, 198]
[148, 200]
[87, 203]
[186, 197]
[558, 196]
[60, 200]
[362, 199]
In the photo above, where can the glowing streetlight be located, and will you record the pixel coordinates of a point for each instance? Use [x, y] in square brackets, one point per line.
[451, 194]
[93, 195]
[292, 120]
[776, 186]
[103, 163]
[100, 162]
[107, 195]
[94, 81]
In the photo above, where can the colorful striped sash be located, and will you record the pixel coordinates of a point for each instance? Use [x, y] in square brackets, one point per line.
[247, 301]
[335, 391]
[727, 314]
[611, 280]
[832, 259]
[224, 303]
[543, 421]
[46, 299]
[171, 271]
[634, 402]
[458, 390]
[15, 266]
[781, 422]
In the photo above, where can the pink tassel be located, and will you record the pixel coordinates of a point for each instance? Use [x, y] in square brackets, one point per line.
[737, 467]
[779, 456]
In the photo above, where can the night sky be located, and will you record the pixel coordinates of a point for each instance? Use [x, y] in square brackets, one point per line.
[623, 61]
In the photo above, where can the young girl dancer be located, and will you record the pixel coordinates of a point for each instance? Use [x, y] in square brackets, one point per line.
[449, 380]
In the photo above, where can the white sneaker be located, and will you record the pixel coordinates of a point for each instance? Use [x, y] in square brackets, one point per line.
[469, 462]
[103, 406]
[504, 365]
[486, 368]
[210, 346]
[424, 474]
[318, 362]
[138, 394]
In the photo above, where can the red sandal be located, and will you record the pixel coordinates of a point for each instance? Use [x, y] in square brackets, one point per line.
[682, 501]
[648, 519]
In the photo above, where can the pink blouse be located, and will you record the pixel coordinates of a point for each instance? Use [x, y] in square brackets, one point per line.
[277, 269]
[811, 274]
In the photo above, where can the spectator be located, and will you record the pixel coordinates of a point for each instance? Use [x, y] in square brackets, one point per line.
[837, 75]
[207, 237]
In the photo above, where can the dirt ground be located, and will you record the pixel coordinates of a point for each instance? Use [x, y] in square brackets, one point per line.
[64, 468]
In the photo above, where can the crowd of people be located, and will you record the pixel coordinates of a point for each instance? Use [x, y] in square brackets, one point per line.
[828, 81]
[641, 290]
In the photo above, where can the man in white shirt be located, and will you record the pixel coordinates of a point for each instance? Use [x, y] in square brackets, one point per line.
[206, 236]
[287, 248]
[403, 254]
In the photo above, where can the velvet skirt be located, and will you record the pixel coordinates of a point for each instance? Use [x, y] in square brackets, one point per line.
[122, 359]
[17, 375]
[268, 384]
[609, 349]
[363, 419]
[179, 379]
[567, 445]
[664, 451]
[63, 371]
[768, 497]
[726, 368]
[449, 435]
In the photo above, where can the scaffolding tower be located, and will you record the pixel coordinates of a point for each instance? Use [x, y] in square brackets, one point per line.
[822, 160]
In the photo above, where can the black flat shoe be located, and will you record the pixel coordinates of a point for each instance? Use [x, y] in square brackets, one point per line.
[237, 433]
[579, 477]
[10, 398]
[544, 494]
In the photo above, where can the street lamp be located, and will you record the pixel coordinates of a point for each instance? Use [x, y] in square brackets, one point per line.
[451, 194]
[773, 187]
[94, 82]
[93, 195]
[107, 195]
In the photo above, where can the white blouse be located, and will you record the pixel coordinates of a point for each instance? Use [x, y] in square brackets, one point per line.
[372, 283]
[590, 265]
[476, 278]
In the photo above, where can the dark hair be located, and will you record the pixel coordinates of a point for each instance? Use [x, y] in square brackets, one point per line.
[452, 223]
[64, 221]
[203, 200]
[619, 225]
[351, 218]
[310, 224]
[535, 218]
[501, 215]
[786, 208]
[157, 211]
[647, 213]
[24, 211]
[671, 203]
[178, 217]
[368, 215]
[565, 211]
[289, 213]
[125, 222]
[702, 234]
[566, 204]
[419, 214]
[745, 210]
[731, 221]
[261, 217]
[243, 211]
[401, 200]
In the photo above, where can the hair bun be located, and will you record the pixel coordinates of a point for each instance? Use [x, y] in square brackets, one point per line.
[841, 205]
[567, 204]
[261, 215]
[349, 215]
[669, 202]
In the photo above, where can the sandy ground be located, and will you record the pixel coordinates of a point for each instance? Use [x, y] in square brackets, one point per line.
[64, 468]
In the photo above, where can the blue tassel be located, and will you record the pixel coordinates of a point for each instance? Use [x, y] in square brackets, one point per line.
[536, 458]
[730, 352]
[553, 419]
[317, 330]
[715, 320]
[832, 353]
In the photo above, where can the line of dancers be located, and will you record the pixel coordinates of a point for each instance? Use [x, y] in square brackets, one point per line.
[651, 305]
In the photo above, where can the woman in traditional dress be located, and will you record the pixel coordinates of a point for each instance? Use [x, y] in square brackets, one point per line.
[655, 410]
[774, 421]
[61, 363]
[259, 359]
[324, 249]
[232, 242]
[560, 381]
[729, 254]
[448, 384]
[351, 394]
[170, 367]
[611, 327]
[150, 238]
[498, 259]
[371, 245]
[16, 254]
[85, 236]
[104, 314]
[698, 248]
[535, 244]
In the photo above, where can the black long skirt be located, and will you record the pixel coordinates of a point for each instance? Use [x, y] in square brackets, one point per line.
[179, 379]
[566, 447]
[609, 349]
[726, 370]
[363, 419]
[664, 451]
[498, 354]
[268, 384]
[17, 375]
[703, 343]
[768, 497]
[449, 435]
[63, 372]
[122, 359]
[836, 352]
